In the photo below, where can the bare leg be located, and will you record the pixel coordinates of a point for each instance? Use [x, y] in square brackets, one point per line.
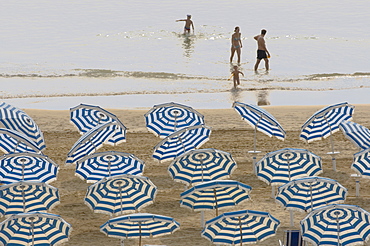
[267, 63]
[232, 54]
[257, 63]
[238, 53]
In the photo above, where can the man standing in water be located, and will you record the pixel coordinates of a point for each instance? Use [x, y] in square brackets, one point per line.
[262, 52]
[188, 24]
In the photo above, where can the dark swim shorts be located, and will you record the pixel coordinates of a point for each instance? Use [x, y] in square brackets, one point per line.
[261, 54]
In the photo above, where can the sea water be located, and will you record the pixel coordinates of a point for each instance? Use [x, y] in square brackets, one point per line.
[132, 54]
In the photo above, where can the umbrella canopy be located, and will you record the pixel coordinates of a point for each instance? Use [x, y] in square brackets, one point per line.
[309, 193]
[361, 163]
[120, 194]
[167, 118]
[198, 166]
[214, 195]
[281, 166]
[12, 141]
[140, 225]
[181, 141]
[94, 167]
[240, 227]
[344, 225]
[94, 139]
[27, 167]
[34, 228]
[356, 133]
[15, 119]
[22, 197]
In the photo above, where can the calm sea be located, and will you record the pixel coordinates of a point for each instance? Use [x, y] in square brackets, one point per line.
[132, 54]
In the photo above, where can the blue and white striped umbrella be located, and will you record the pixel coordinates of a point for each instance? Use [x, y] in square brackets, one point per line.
[240, 227]
[344, 225]
[356, 133]
[27, 167]
[361, 163]
[309, 193]
[12, 141]
[281, 166]
[120, 194]
[24, 197]
[215, 194]
[182, 141]
[202, 165]
[167, 118]
[325, 122]
[34, 228]
[94, 139]
[94, 167]
[16, 119]
[140, 225]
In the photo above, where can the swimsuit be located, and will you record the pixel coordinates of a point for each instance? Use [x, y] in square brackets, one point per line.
[187, 28]
[261, 54]
[236, 46]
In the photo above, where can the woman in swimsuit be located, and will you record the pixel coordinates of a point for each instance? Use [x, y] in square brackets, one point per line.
[236, 44]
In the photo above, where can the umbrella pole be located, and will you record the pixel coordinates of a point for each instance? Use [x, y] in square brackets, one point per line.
[175, 125]
[139, 233]
[23, 199]
[23, 160]
[291, 213]
[241, 232]
[214, 193]
[201, 165]
[311, 196]
[332, 153]
[202, 218]
[338, 231]
[33, 231]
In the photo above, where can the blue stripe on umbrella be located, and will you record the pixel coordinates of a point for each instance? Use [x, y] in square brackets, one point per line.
[181, 142]
[16, 119]
[27, 167]
[336, 225]
[215, 194]
[105, 164]
[197, 166]
[356, 133]
[245, 226]
[120, 194]
[309, 193]
[34, 227]
[260, 118]
[94, 139]
[165, 119]
[23, 197]
[12, 141]
[361, 163]
[281, 166]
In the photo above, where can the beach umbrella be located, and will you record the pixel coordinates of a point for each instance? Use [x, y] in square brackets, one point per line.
[197, 166]
[34, 228]
[120, 194]
[361, 163]
[324, 123]
[356, 133]
[12, 141]
[182, 141]
[27, 167]
[94, 139]
[140, 225]
[167, 118]
[282, 166]
[343, 225]
[16, 119]
[22, 197]
[94, 167]
[240, 227]
[214, 195]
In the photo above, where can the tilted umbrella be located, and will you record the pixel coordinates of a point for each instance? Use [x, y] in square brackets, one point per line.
[356, 133]
[361, 163]
[201, 165]
[324, 123]
[94, 139]
[215, 194]
[22, 197]
[167, 118]
[343, 225]
[12, 141]
[182, 141]
[140, 225]
[240, 227]
[96, 166]
[34, 228]
[16, 119]
[120, 194]
[27, 167]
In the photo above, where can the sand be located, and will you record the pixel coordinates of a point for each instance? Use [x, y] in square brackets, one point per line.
[230, 134]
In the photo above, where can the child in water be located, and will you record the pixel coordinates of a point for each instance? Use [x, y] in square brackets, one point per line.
[235, 75]
[188, 24]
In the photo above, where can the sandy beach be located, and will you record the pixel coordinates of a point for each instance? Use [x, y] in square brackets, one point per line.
[230, 134]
